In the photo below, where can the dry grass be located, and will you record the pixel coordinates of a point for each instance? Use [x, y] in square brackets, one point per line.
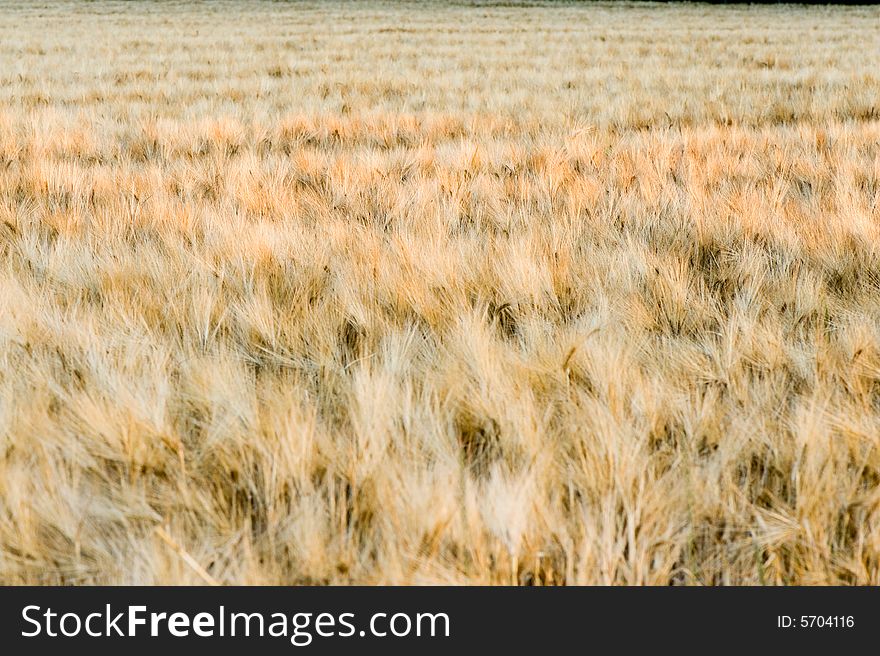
[386, 293]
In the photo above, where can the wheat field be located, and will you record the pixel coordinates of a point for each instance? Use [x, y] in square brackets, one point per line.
[439, 293]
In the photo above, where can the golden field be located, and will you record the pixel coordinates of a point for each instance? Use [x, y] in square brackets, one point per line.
[455, 293]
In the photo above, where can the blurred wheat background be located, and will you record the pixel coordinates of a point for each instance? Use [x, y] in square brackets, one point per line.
[463, 293]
